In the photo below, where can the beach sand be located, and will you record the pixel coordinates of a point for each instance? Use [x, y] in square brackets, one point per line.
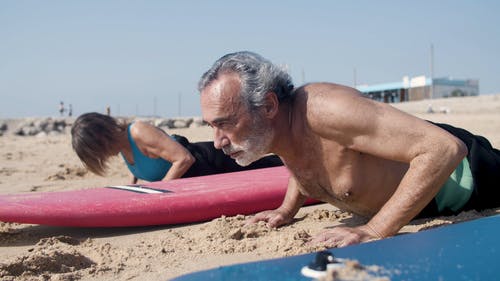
[47, 163]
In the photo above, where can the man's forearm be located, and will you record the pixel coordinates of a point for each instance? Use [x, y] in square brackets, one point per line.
[418, 187]
[294, 200]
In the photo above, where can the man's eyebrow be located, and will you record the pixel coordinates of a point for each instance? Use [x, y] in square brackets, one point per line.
[216, 120]
[221, 119]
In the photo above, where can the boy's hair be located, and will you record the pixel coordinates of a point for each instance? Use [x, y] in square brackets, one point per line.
[93, 137]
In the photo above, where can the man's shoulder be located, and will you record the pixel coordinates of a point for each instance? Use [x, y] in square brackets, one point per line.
[321, 86]
[325, 95]
[322, 90]
[326, 105]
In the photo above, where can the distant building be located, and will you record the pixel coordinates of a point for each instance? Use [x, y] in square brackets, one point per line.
[419, 88]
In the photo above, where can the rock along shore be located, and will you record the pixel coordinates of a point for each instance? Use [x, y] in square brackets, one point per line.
[46, 126]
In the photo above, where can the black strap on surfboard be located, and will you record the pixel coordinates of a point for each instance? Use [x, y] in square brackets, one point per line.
[137, 188]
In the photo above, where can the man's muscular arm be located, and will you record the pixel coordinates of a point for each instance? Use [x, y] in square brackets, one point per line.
[383, 131]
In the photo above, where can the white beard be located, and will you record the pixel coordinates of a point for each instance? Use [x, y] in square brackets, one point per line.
[256, 145]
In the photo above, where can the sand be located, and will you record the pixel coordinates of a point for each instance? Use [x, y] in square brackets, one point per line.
[47, 163]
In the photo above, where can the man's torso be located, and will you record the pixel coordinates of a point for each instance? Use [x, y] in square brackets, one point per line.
[331, 172]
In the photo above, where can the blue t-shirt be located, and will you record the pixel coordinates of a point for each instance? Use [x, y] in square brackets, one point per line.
[144, 167]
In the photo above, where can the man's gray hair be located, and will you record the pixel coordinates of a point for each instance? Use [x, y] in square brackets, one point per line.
[258, 77]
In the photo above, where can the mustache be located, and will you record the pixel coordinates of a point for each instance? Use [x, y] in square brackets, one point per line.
[229, 149]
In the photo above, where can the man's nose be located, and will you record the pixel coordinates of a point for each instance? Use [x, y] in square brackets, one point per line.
[220, 139]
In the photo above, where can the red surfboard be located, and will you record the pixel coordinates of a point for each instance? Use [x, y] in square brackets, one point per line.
[158, 203]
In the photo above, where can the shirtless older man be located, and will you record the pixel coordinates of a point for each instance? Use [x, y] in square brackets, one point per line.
[342, 148]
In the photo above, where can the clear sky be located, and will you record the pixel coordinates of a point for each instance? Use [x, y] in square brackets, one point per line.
[145, 57]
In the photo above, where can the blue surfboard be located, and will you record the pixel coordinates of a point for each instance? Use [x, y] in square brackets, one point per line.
[463, 251]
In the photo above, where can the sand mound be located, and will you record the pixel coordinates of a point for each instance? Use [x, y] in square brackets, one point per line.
[47, 258]
[67, 172]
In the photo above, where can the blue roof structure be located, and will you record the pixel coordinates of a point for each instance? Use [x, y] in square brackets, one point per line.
[407, 84]
[381, 87]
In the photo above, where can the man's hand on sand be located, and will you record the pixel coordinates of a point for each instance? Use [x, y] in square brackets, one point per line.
[340, 236]
[274, 218]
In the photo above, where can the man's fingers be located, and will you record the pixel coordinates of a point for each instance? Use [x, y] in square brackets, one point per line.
[275, 221]
[258, 217]
[338, 237]
[320, 238]
[251, 220]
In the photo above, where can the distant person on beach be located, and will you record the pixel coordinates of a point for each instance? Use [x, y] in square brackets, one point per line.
[150, 153]
[360, 155]
[70, 110]
[61, 108]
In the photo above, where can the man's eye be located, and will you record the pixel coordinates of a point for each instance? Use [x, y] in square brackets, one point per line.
[224, 124]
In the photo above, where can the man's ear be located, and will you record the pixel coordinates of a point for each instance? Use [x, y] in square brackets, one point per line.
[271, 105]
